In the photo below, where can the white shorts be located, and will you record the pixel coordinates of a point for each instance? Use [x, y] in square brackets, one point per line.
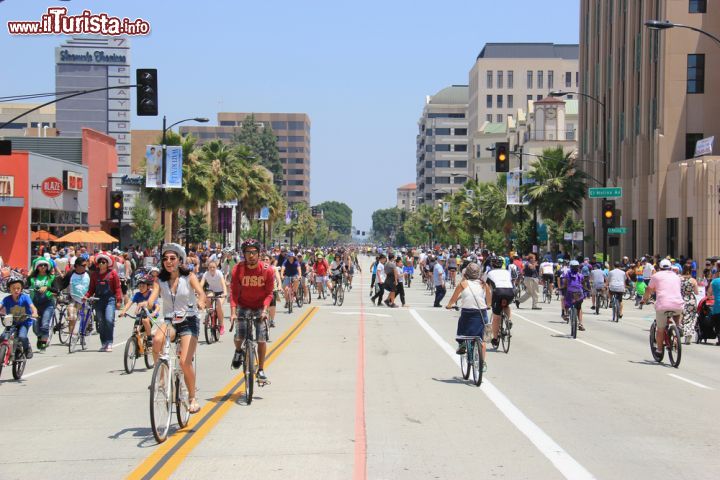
[321, 278]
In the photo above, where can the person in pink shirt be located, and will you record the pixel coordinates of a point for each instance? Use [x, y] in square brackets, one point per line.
[666, 285]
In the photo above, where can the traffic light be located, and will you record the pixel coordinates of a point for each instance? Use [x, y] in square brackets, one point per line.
[502, 157]
[608, 213]
[116, 205]
[147, 92]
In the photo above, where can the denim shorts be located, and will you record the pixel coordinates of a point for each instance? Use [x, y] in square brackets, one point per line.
[288, 280]
[189, 326]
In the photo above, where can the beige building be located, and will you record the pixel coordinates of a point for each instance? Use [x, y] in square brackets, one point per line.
[505, 78]
[293, 139]
[442, 144]
[660, 100]
[40, 123]
[406, 196]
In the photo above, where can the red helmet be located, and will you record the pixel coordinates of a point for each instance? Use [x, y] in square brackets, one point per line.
[250, 242]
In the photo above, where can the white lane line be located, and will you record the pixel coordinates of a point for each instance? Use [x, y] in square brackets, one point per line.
[563, 333]
[700, 385]
[42, 370]
[567, 465]
[120, 343]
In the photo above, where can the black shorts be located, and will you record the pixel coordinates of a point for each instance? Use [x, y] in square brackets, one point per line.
[618, 295]
[548, 277]
[500, 296]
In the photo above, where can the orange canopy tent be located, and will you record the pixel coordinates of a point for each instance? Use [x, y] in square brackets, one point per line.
[42, 236]
[100, 236]
[77, 236]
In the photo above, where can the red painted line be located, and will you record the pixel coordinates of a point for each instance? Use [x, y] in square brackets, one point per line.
[360, 465]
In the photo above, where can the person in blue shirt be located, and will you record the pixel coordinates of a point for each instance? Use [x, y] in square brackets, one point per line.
[20, 306]
[290, 273]
[140, 299]
[714, 292]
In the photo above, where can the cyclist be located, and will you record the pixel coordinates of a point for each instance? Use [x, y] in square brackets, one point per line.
[616, 284]
[474, 296]
[41, 282]
[574, 282]
[252, 292]
[666, 286]
[337, 270]
[452, 268]
[408, 270]
[79, 283]
[105, 284]
[598, 283]
[548, 272]
[140, 299]
[290, 273]
[501, 285]
[305, 270]
[321, 267]
[215, 282]
[20, 305]
[349, 269]
[178, 288]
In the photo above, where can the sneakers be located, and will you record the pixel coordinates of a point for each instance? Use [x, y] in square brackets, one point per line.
[272, 324]
[581, 328]
[461, 349]
[261, 377]
[495, 342]
[237, 359]
[517, 304]
[28, 353]
[222, 329]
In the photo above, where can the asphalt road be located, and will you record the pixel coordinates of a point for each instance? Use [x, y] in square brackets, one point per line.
[363, 391]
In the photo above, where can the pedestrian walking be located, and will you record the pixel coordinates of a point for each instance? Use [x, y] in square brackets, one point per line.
[531, 278]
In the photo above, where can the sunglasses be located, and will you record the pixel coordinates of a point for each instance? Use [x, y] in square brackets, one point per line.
[165, 259]
[102, 261]
[251, 252]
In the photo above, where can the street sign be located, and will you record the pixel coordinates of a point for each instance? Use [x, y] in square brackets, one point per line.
[605, 192]
[617, 230]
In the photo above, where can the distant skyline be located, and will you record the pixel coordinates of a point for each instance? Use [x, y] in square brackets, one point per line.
[361, 71]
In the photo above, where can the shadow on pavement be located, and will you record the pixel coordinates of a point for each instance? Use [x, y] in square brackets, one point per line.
[144, 433]
[653, 362]
[456, 380]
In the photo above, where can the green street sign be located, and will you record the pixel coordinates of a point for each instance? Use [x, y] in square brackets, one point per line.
[619, 230]
[605, 192]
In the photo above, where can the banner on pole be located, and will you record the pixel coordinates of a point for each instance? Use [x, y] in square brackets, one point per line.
[173, 161]
[264, 213]
[153, 166]
[513, 188]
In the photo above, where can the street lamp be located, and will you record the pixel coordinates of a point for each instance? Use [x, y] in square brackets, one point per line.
[666, 24]
[164, 168]
[605, 151]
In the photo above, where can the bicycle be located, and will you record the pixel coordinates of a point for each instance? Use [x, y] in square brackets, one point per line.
[573, 320]
[472, 358]
[671, 341]
[307, 285]
[83, 325]
[250, 356]
[505, 326]
[615, 305]
[291, 297]
[547, 297]
[138, 344]
[11, 348]
[338, 292]
[211, 324]
[168, 389]
[59, 324]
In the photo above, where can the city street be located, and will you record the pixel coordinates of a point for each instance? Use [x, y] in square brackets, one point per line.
[362, 391]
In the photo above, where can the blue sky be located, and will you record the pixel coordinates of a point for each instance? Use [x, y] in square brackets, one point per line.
[361, 70]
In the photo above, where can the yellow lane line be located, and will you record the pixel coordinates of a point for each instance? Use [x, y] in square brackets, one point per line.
[169, 455]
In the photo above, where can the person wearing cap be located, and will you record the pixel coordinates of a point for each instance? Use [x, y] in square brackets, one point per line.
[19, 305]
[140, 299]
[77, 281]
[290, 273]
[40, 282]
[105, 285]
[666, 285]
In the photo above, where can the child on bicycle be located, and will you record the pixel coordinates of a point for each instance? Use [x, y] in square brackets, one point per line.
[20, 305]
[140, 299]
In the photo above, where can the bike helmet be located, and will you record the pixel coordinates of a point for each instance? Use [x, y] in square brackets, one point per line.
[251, 242]
[13, 280]
[574, 265]
[496, 262]
[146, 279]
[175, 248]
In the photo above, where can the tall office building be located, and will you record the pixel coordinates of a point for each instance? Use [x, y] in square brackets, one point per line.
[659, 100]
[293, 139]
[442, 156]
[506, 76]
[85, 63]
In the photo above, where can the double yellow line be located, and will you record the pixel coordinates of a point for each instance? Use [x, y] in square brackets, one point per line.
[168, 456]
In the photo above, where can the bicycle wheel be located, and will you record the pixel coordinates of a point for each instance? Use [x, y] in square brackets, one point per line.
[290, 302]
[160, 403]
[208, 329]
[182, 402]
[18, 366]
[62, 328]
[149, 361]
[299, 298]
[573, 321]
[3, 354]
[249, 370]
[465, 360]
[340, 297]
[628, 294]
[51, 328]
[216, 331]
[131, 349]
[675, 345]
[653, 344]
[477, 362]
[505, 334]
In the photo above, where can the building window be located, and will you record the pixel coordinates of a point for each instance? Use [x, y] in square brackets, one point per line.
[459, 179]
[568, 79]
[489, 82]
[227, 123]
[510, 101]
[442, 163]
[499, 118]
[296, 125]
[529, 99]
[510, 75]
[460, 148]
[279, 125]
[696, 73]
[577, 79]
[295, 193]
[633, 239]
[295, 182]
[429, 132]
[529, 79]
[690, 237]
[540, 79]
[499, 101]
[539, 97]
[691, 140]
[671, 235]
[499, 79]
[442, 179]
[488, 117]
[296, 138]
[651, 236]
[460, 132]
[551, 79]
[442, 148]
[488, 101]
[296, 171]
[460, 164]
[428, 164]
[442, 131]
[698, 6]
[428, 180]
[428, 148]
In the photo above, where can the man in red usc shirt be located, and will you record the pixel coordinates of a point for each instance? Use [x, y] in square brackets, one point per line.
[252, 286]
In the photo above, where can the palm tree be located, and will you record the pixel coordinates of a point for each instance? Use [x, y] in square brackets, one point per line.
[257, 194]
[559, 185]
